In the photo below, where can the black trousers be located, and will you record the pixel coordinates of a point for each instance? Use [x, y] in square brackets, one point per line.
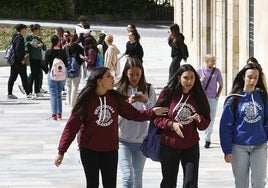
[18, 69]
[175, 64]
[35, 75]
[171, 158]
[104, 162]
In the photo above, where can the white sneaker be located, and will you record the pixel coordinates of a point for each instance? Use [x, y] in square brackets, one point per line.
[42, 90]
[39, 95]
[31, 96]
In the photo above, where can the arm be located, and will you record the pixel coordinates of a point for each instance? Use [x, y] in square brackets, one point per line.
[226, 128]
[71, 129]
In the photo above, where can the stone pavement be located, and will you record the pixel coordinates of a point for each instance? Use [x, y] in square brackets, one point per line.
[28, 141]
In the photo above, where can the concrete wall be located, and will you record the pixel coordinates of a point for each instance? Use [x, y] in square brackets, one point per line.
[2, 59]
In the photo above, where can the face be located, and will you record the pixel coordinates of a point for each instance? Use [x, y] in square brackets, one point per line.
[23, 31]
[210, 64]
[106, 82]
[131, 38]
[134, 76]
[251, 78]
[187, 80]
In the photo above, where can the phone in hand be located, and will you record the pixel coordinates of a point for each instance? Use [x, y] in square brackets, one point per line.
[138, 93]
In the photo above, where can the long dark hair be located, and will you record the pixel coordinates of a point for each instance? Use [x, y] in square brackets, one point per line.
[81, 107]
[239, 82]
[124, 82]
[173, 37]
[174, 86]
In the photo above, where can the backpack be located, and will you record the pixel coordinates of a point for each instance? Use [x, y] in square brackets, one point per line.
[58, 70]
[185, 52]
[99, 60]
[73, 68]
[10, 52]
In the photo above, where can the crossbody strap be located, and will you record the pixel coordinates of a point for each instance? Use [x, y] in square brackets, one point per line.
[210, 78]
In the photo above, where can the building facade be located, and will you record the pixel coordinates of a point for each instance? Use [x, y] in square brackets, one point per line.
[232, 30]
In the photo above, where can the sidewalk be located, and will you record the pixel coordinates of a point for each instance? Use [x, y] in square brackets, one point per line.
[28, 141]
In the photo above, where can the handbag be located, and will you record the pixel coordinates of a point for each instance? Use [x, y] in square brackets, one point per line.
[151, 144]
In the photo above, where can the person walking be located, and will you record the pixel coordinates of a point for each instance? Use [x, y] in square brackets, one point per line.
[19, 66]
[142, 96]
[55, 86]
[243, 128]
[178, 52]
[35, 46]
[133, 46]
[95, 118]
[212, 82]
[74, 50]
[111, 57]
[188, 112]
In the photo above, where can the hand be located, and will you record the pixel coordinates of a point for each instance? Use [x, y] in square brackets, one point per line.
[23, 62]
[202, 79]
[228, 158]
[160, 111]
[177, 128]
[58, 160]
[140, 97]
[196, 117]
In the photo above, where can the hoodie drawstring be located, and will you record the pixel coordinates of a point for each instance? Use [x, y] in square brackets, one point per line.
[102, 113]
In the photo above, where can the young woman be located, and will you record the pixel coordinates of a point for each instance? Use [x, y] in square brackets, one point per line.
[188, 111]
[142, 96]
[176, 42]
[91, 51]
[35, 46]
[133, 46]
[55, 87]
[111, 56]
[72, 82]
[95, 117]
[243, 125]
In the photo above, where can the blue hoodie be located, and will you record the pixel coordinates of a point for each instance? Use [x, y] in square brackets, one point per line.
[247, 126]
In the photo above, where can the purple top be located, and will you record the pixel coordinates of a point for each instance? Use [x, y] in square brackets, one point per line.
[211, 90]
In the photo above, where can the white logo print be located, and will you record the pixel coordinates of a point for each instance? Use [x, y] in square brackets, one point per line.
[184, 114]
[251, 110]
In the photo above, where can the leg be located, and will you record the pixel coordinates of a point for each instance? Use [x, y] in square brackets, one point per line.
[60, 85]
[125, 163]
[12, 78]
[190, 165]
[108, 167]
[175, 64]
[52, 86]
[91, 164]
[138, 161]
[75, 86]
[258, 163]
[170, 160]
[240, 165]
[68, 90]
[24, 79]
[213, 107]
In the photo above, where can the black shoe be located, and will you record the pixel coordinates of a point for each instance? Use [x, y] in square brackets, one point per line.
[207, 145]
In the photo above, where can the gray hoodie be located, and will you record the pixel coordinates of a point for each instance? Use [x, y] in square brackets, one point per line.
[133, 131]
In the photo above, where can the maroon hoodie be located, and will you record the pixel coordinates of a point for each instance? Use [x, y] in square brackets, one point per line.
[181, 107]
[101, 132]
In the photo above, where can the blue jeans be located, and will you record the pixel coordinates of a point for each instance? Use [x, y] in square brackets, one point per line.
[247, 158]
[131, 161]
[55, 89]
[213, 108]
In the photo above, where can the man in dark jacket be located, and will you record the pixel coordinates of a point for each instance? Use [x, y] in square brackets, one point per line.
[19, 66]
